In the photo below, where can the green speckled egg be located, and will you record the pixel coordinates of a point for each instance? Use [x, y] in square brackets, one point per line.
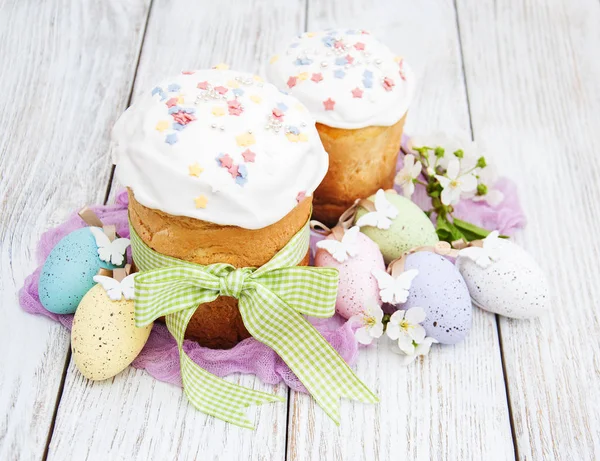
[104, 338]
[411, 228]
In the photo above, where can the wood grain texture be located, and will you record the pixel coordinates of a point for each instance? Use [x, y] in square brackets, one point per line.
[452, 404]
[140, 418]
[65, 75]
[533, 71]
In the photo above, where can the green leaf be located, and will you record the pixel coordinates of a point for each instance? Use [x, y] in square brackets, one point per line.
[447, 231]
[470, 231]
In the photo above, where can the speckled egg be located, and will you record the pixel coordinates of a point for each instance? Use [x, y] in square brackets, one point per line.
[514, 286]
[104, 338]
[411, 228]
[67, 274]
[441, 291]
[357, 286]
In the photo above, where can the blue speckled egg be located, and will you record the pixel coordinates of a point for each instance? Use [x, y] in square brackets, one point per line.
[68, 272]
[442, 292]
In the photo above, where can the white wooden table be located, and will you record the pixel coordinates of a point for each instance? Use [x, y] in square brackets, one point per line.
[522, 76]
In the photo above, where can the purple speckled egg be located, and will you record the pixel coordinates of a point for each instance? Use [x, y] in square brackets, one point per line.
[357, 286]
[442, 292]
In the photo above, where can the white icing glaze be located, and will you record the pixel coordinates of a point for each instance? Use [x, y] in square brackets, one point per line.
[272, 162]
[347, 67]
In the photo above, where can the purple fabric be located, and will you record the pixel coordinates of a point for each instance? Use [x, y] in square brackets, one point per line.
[160, 357]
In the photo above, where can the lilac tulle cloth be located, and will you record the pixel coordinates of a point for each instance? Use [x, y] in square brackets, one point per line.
[160, 357]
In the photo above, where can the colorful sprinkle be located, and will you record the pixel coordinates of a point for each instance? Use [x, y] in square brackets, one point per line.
[203, 85]
[221, 66]
[182, 117]
[249, 156]
[357, 93]
[303, 76]
[233, 170]
[256, 99]
[233, 84]
[301, 196]
[173, 87]
[341, 61]
[218, 111]
[201, 201]
[221, 89]
[277, 114]
[245, 139]
[171, 138]
[292, 82]
[302, 137]
[178, 126]
[224, 160]
[359, 46]
[238, 92]
[388, 84]
[282, 106]
[171, 102]
[329, 104]
[187, 72]
[162, 125]
[317, 77]
[328, 41]
[195, 169]
[303, 61]
[349, 59]
[339, 73]
[234, 107]
[274, 59]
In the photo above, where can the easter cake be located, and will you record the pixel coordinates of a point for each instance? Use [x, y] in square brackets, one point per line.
[358, 91]
[220, 167]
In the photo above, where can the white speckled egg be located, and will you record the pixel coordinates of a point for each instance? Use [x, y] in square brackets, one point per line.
[441, 291]
[104, 338]
[514, 286]
[357, 286]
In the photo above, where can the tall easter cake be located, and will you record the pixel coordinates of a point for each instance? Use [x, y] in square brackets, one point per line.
[220, 168]
[359, 93]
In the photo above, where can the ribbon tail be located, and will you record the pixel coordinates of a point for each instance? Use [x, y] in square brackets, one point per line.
[324, 373]
[209, 393]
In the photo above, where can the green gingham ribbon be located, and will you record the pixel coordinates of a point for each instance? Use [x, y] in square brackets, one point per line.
[271, 300]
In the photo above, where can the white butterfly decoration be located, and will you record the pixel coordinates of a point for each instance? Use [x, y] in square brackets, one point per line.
[486, 255]
[115, 289]
[383, 214]
[110, 252]
[394, 290]
[343, 250]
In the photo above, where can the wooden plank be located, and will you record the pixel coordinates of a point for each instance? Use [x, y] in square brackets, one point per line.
[122, 419]
[66, 73]
[532, 70]
[453, 404]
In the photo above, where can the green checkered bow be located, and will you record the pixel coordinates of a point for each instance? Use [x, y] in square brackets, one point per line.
[271, 300]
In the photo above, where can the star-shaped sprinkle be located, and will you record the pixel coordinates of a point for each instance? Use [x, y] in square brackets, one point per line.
[339, 73]
[303, 61]
[301, 196]
[195, 169]
[341, 61]
[258, 78]
[357, 93]
[339, 45]
[234, 107]
[368, 74]
[178, 126]
[187, 72]
[171, 138]
[203, 85]
[183, 118]
[360, 46]
[292, 137]
[162, 125]
[388, 84]
[249, 156]
[232, 84]
[349, 59]
[238, 92]
[303, 76]
[233, 170]
[292, 82]
[256, 99]
[274, 59]
[173, 87]
[218, 111]
[225, 160]
[221, 66]
[317, 77]
[245, 139]
[171, 102]
[329, 104]
[221, 89]
[328, 41]
[201, 201]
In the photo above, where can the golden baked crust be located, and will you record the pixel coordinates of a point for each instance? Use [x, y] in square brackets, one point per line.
[360, 162]
[217, 324]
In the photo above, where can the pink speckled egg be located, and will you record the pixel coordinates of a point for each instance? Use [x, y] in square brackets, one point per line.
[357, 286]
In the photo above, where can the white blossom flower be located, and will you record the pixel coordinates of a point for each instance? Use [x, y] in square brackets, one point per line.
[406, 176]
[371, 321]
[421, 349]
[493, 197]
[404, 327]
[454, 184]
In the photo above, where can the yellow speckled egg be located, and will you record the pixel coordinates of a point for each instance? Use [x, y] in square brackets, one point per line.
[104, 338]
